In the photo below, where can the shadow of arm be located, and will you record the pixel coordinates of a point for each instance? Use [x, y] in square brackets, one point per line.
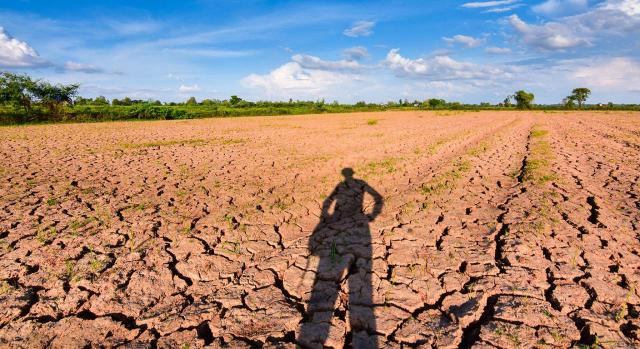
[326, 205]
[379, 202]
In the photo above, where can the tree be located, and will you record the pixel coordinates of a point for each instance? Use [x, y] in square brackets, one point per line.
[235, 100]
[17, 90]
[507, 101]
[100, 100]
[523, 99]
[82, 101]
[22, 91]
[580, 95]
[569, 102]
[435, 103]
[191, 101]
[54, 96]
[455, 105]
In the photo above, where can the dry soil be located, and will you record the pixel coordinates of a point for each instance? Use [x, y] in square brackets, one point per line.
[492, 229]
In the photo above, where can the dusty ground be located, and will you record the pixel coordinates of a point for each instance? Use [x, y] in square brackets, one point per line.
[495, 229]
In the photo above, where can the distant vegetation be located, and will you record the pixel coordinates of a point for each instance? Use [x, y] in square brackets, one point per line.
[524, 99]
[25, 100]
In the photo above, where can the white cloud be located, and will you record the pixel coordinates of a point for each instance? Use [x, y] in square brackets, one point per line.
[610, 20]
[559, 7]
[188, 89]
[441, 68]
[502, 9]
[83, 68]
[355, 53]
[498, 50]
[312, 62]
[18, 54]
[464, 40]
[293, 80]
[550, 36]
[608, 78]
[361, 28]
[482, 4]
[618, 73]
[629, 7]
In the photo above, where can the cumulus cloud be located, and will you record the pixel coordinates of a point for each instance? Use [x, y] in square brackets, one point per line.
[355, 53]
[464, 40]
[292, 79]
[621, 73]
[498, 50]
[361, 28]
[483, 4]
[83, 68]
[561, 7]
[610, 19]
[441, 68]
[189, 88]
[609, 78]
[550, 36]
[312, 62]
[18, 54]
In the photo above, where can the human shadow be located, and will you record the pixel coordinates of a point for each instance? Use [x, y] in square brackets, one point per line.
[342, 241]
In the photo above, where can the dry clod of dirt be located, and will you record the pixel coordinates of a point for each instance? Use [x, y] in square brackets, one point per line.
[484, 230]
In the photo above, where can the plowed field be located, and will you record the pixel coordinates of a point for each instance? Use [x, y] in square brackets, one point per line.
[388, 230]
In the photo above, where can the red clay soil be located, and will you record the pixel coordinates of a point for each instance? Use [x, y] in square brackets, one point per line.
[452, 229]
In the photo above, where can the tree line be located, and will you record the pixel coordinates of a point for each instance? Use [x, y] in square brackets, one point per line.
[23, 99]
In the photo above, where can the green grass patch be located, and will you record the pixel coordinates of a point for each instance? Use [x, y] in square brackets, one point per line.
[537, 133]
[372, 122]
[433, 148]
[537, 165]
[75, 225]
[46, 236]
[479, 149]
[96, 265]
[446, 180]
[234, 141]
[381, 167]
[4, 288]
[195, 142]
[139, 206]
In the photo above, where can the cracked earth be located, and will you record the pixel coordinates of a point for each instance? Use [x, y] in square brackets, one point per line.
[491, 230]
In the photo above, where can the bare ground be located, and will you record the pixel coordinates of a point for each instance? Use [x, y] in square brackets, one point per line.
[496, 229]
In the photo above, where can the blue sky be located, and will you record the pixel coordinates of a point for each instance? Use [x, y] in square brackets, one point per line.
[474, 51]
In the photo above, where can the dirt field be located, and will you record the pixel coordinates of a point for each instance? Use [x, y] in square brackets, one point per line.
[490, 229]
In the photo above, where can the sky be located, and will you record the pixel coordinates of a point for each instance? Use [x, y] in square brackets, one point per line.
[348, 51]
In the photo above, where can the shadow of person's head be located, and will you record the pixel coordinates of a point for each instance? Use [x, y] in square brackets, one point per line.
[347, 172]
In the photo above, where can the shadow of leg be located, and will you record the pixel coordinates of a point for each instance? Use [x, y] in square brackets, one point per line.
[316, 331]
[361, 315]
